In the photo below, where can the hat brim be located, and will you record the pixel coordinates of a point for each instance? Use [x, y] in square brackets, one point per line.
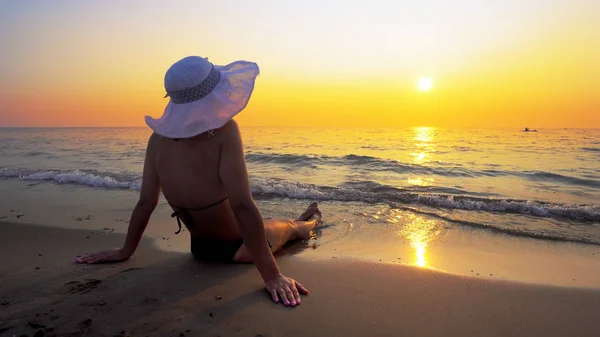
[226, 100]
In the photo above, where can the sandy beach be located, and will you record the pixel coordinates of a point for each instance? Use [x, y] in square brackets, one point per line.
[160, 293]
[439, 160]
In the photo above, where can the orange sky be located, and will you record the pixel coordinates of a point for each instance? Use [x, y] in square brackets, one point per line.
[497, 64]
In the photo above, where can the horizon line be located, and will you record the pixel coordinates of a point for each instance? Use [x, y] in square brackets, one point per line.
[304, 126]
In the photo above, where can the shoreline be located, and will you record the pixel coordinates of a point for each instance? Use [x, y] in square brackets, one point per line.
[160, 293]
[456, 250]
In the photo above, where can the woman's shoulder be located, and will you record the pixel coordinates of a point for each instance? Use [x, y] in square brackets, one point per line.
[230, 129]
[230, 126]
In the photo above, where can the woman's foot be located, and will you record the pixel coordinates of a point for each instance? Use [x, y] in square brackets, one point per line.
[307, 221]
[311, 210]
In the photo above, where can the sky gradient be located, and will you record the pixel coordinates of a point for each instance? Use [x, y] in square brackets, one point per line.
[508, 63]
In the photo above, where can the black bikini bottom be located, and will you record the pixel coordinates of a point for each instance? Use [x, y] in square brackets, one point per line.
[214, 249]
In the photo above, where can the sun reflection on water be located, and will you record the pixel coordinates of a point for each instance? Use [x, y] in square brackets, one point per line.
[425, 145]
[421, 181]
[420, 252]
[424, 134]
[419, 157]
[420, 233]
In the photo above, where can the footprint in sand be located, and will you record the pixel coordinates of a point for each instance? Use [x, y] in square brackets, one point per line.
[83, 328]
[4, 329]
[35, 325]
[93, 304]
[150, 300]
[76, 287]
[123, 333]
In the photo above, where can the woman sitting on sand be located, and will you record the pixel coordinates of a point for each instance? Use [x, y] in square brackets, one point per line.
[195, 156]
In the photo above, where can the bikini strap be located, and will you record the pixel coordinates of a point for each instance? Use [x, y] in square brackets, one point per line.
[208, 206]
[181, 210]
[176, 215]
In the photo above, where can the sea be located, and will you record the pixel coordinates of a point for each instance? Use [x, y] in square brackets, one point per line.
[415, 182]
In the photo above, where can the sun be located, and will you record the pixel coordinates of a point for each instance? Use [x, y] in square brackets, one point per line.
[424, 84]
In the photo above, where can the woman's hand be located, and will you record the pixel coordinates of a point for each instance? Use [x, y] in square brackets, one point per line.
[287, 289]
[111, 255]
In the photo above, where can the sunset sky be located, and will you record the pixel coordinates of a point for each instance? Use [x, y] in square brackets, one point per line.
[497, 63]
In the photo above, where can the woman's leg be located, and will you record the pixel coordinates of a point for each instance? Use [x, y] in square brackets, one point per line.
[280, 232]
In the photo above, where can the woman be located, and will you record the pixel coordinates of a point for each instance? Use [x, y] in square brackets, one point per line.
[195, 157]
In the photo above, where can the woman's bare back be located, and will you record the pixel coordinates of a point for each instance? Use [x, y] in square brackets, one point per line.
[188, 172]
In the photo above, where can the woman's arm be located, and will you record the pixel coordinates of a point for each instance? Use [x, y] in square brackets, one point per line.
[149, 194]
[234, 175]
[140, 216]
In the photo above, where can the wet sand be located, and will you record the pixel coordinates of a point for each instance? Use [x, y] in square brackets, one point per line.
[161, 293]
[477, 253]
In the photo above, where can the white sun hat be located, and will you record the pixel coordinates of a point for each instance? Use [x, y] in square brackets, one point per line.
[203, 96]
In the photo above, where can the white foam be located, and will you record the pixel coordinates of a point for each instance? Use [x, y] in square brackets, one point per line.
[287, 189]
[583, 212]
[271, 187]
[82, 178]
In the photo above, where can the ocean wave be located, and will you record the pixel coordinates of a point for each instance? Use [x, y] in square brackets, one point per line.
[586, 213]
[371, 192]
[367, 192]
[464, 149]
[561, 236]
[282, 158]
[114, 180]
[372, 147]
[591, 149]
[36, 153]
[547, 176]
[413, 198]
[373, 164]
[362, 162]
